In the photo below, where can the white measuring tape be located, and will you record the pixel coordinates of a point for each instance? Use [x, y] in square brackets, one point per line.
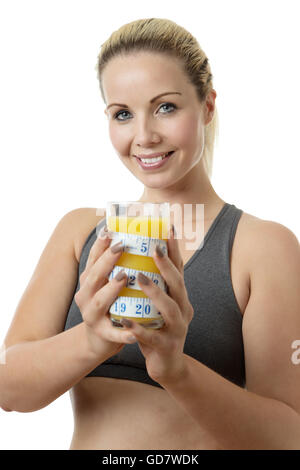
[138, 307]
[132, 274]
[138, 245]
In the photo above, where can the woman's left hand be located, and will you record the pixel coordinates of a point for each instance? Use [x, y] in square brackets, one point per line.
[163, 348]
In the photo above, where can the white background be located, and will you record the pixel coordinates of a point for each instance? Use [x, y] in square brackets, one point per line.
[55, 149]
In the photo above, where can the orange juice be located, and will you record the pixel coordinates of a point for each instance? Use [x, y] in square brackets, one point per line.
[142, 226]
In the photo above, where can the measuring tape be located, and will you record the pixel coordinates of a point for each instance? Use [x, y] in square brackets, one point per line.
[138, 245]
[138, 307]
[132, 274]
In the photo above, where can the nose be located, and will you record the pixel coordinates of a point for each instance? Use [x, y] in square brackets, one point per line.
[146, 133]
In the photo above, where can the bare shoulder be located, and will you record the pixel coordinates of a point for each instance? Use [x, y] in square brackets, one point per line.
[85, 220]
[264, 229]
[261, 238]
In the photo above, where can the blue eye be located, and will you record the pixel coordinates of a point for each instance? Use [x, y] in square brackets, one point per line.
[118, 114]
[125, 111]
[168, 104]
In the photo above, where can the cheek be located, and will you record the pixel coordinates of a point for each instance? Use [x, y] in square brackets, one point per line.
[186, 132]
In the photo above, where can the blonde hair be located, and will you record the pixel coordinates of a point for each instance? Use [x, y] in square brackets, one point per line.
[166, 37]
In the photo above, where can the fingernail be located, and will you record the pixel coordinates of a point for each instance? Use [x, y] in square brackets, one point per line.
[120, 275]
[105, 233]
[143, 279]
[132, 339]
[158, 251]
[126, 323]
[117, 247]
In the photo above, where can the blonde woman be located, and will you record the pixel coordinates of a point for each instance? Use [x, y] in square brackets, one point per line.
[219, 374]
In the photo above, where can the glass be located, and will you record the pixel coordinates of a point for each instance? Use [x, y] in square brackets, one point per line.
[140, 226]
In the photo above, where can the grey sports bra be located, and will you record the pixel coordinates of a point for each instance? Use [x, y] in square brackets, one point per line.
[215, 333]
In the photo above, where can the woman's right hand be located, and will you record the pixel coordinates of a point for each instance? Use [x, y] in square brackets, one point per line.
[96, 295]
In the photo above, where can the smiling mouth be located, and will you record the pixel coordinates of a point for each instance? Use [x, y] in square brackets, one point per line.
[155, 159]
[155, 163]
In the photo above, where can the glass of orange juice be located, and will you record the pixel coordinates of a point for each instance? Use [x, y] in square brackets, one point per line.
[140, 226]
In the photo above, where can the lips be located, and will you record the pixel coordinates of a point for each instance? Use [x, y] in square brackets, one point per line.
[153, 166]
[153, 155]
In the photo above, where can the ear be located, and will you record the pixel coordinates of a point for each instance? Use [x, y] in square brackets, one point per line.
[210, 106]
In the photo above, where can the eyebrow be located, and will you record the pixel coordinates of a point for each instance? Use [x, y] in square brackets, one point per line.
[151, 101]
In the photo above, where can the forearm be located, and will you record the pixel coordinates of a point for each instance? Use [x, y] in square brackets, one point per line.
[36, 373]
[235, 417]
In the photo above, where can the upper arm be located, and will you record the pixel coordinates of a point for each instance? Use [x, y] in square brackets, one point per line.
[271, 321]
[43, 306]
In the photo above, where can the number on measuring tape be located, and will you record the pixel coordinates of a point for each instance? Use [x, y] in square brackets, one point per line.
[137, 245]
[134, 307]
[132, 274]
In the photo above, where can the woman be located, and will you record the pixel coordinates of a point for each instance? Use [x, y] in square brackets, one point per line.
[219, 374]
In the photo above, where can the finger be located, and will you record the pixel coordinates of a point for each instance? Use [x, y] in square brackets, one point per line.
[147, 336]
[98, 306]
[173, 250]
[98, 274]
[99, 246]
[173, 278]
[168, 308]
[117, 335]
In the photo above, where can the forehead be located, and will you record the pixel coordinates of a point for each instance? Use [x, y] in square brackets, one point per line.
[144, 72]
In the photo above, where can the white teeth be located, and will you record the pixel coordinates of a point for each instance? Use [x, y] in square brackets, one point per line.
[153, 160]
